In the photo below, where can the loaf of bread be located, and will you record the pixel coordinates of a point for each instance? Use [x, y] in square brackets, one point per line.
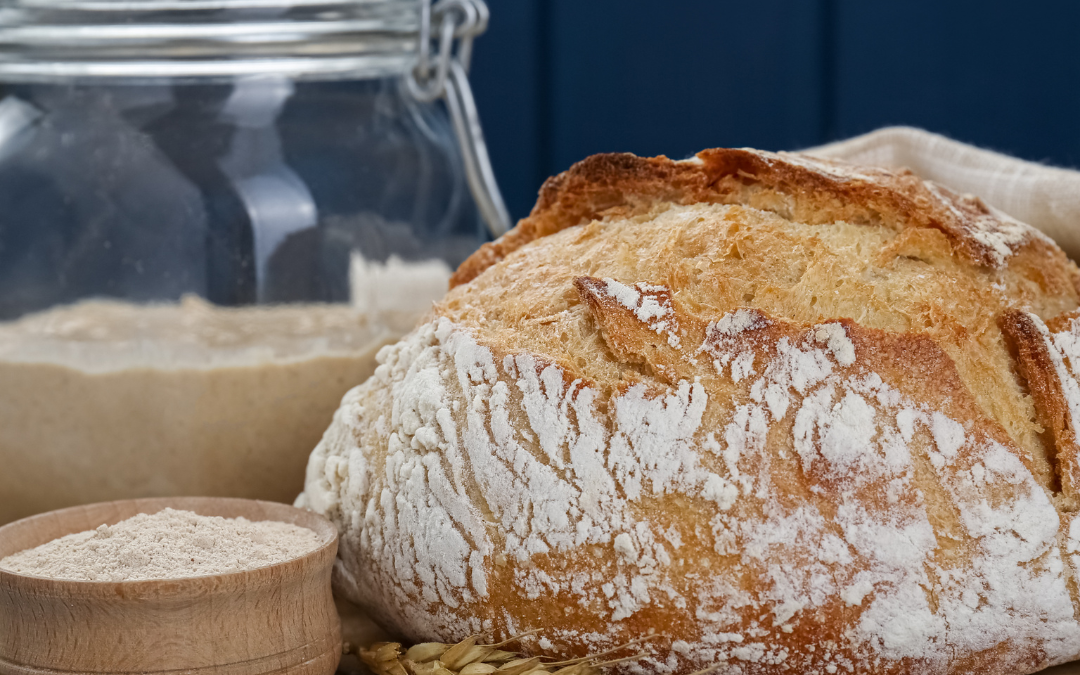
[759, 411]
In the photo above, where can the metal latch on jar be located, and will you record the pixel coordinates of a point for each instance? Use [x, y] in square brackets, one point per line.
[446, 76]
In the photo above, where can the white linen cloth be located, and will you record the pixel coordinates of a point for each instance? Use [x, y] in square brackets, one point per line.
[1043, 196]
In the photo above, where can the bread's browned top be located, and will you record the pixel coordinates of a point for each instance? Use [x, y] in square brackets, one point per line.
[799, 187]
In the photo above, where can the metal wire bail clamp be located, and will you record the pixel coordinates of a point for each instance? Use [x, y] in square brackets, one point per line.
[446, 76]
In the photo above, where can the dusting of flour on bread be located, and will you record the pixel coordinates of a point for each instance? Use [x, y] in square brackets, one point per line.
[998, 233]
[650, 305]
[496, 469]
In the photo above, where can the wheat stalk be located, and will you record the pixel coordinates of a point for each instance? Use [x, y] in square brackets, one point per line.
[469, 657]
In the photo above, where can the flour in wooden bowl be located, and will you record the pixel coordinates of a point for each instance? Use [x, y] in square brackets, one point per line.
[170, 544]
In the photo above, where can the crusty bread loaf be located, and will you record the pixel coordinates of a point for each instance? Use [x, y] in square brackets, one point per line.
[772, 412]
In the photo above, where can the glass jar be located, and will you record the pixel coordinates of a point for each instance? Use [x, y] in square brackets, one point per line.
[215, 213]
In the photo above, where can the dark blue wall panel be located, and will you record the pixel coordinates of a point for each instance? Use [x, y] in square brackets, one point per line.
[632, 75]
[557, 80]
[1005, 75]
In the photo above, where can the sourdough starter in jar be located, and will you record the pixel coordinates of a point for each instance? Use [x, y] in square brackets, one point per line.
[106, 400]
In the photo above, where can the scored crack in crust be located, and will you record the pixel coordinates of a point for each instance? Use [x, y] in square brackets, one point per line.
[758, 407]
[1048, 358]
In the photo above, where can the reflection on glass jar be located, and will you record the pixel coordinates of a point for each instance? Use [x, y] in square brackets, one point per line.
[212, 223]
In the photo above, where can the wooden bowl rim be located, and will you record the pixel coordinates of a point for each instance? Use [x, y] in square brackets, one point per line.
[226, 582]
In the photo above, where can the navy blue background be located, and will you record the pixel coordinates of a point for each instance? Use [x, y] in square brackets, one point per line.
[557, 80]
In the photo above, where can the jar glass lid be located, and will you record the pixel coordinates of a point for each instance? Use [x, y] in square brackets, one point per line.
[50, 40]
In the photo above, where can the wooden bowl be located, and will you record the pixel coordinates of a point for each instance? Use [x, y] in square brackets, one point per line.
[274, 619]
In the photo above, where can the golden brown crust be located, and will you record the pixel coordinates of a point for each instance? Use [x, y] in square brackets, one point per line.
[807, 189]
[590, 187]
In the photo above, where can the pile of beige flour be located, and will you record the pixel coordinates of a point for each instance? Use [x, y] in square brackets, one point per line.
[170, 544]
[107, 400]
